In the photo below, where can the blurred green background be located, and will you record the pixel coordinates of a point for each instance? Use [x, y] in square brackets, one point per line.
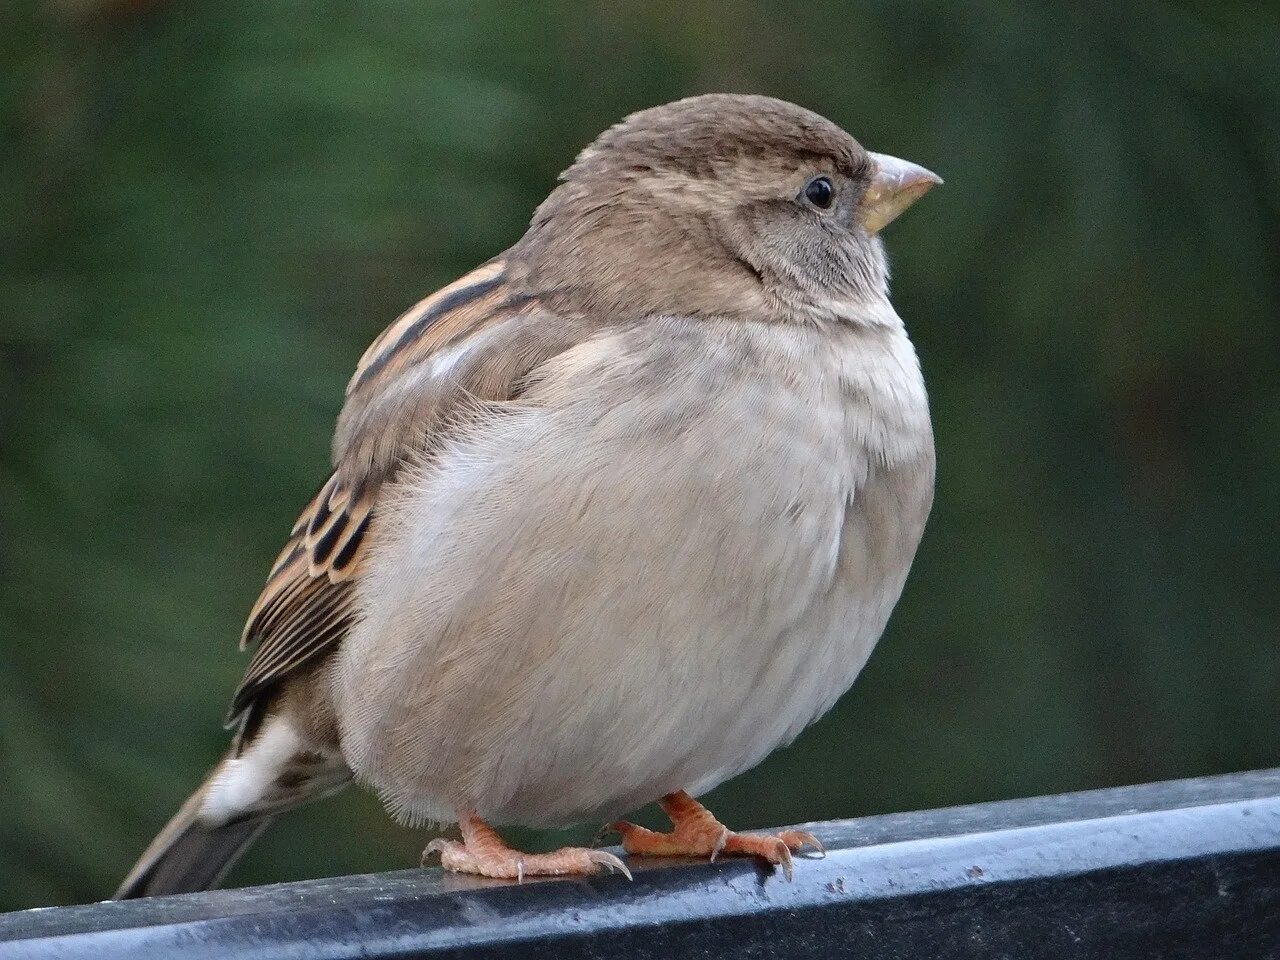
[208, 209]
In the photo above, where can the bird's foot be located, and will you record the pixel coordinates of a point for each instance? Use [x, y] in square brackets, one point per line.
[482, 852]
[697, 833]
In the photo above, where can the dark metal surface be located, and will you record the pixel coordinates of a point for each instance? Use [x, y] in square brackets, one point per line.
[1183, 869]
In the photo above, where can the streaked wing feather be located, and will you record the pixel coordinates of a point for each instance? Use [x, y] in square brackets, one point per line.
[471, 339]
[397, 346]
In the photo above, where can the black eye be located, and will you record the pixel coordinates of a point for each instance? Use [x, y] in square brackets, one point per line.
[820, 192]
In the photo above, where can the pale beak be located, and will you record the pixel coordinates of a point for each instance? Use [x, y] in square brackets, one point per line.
[896, 185]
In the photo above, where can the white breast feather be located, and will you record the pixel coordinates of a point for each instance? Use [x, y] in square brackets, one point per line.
[666, 561]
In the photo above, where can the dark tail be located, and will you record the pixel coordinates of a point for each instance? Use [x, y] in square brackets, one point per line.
[187, 856]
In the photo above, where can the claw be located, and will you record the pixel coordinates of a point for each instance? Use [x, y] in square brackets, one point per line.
[797, 840]
[611, 863]
[718, 846]
[784, 860]
[438, 845]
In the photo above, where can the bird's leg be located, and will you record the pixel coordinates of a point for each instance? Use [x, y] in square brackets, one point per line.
[696, 833]
[483, 852]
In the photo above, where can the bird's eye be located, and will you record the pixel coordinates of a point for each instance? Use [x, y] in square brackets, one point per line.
[820, 192]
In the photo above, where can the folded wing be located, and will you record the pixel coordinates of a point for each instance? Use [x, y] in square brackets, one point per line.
[475, 340]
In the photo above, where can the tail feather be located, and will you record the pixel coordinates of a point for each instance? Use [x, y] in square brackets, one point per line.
[236, 802]
[186, 855]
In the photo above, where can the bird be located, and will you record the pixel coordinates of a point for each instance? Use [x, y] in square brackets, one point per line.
[611, 517]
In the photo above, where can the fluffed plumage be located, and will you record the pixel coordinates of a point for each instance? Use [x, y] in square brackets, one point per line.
[611, 517]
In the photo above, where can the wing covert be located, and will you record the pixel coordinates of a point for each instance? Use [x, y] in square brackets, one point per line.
[475, 339]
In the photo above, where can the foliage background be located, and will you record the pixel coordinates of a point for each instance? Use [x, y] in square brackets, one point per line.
[209, 208]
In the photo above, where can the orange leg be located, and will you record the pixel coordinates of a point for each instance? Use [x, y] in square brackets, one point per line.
[697, 833]
[483, 852]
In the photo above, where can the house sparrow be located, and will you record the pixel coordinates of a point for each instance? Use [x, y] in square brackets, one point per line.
[611, 517]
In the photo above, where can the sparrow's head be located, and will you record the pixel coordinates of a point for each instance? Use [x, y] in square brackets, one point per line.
[723, 204]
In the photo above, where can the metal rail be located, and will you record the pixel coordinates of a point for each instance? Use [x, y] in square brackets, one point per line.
[1189, 868]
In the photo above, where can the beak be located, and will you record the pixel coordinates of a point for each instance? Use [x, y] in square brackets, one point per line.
[896, 185]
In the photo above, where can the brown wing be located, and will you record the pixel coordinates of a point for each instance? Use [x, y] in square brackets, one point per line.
[305, 607]
[475, 339]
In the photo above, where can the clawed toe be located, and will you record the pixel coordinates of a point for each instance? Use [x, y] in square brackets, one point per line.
[775, 848]
[438, 845]
[609, 862]
[500, 862]
[696, 833]
[797, 840]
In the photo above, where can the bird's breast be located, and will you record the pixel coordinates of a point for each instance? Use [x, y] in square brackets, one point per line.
[668, 558]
